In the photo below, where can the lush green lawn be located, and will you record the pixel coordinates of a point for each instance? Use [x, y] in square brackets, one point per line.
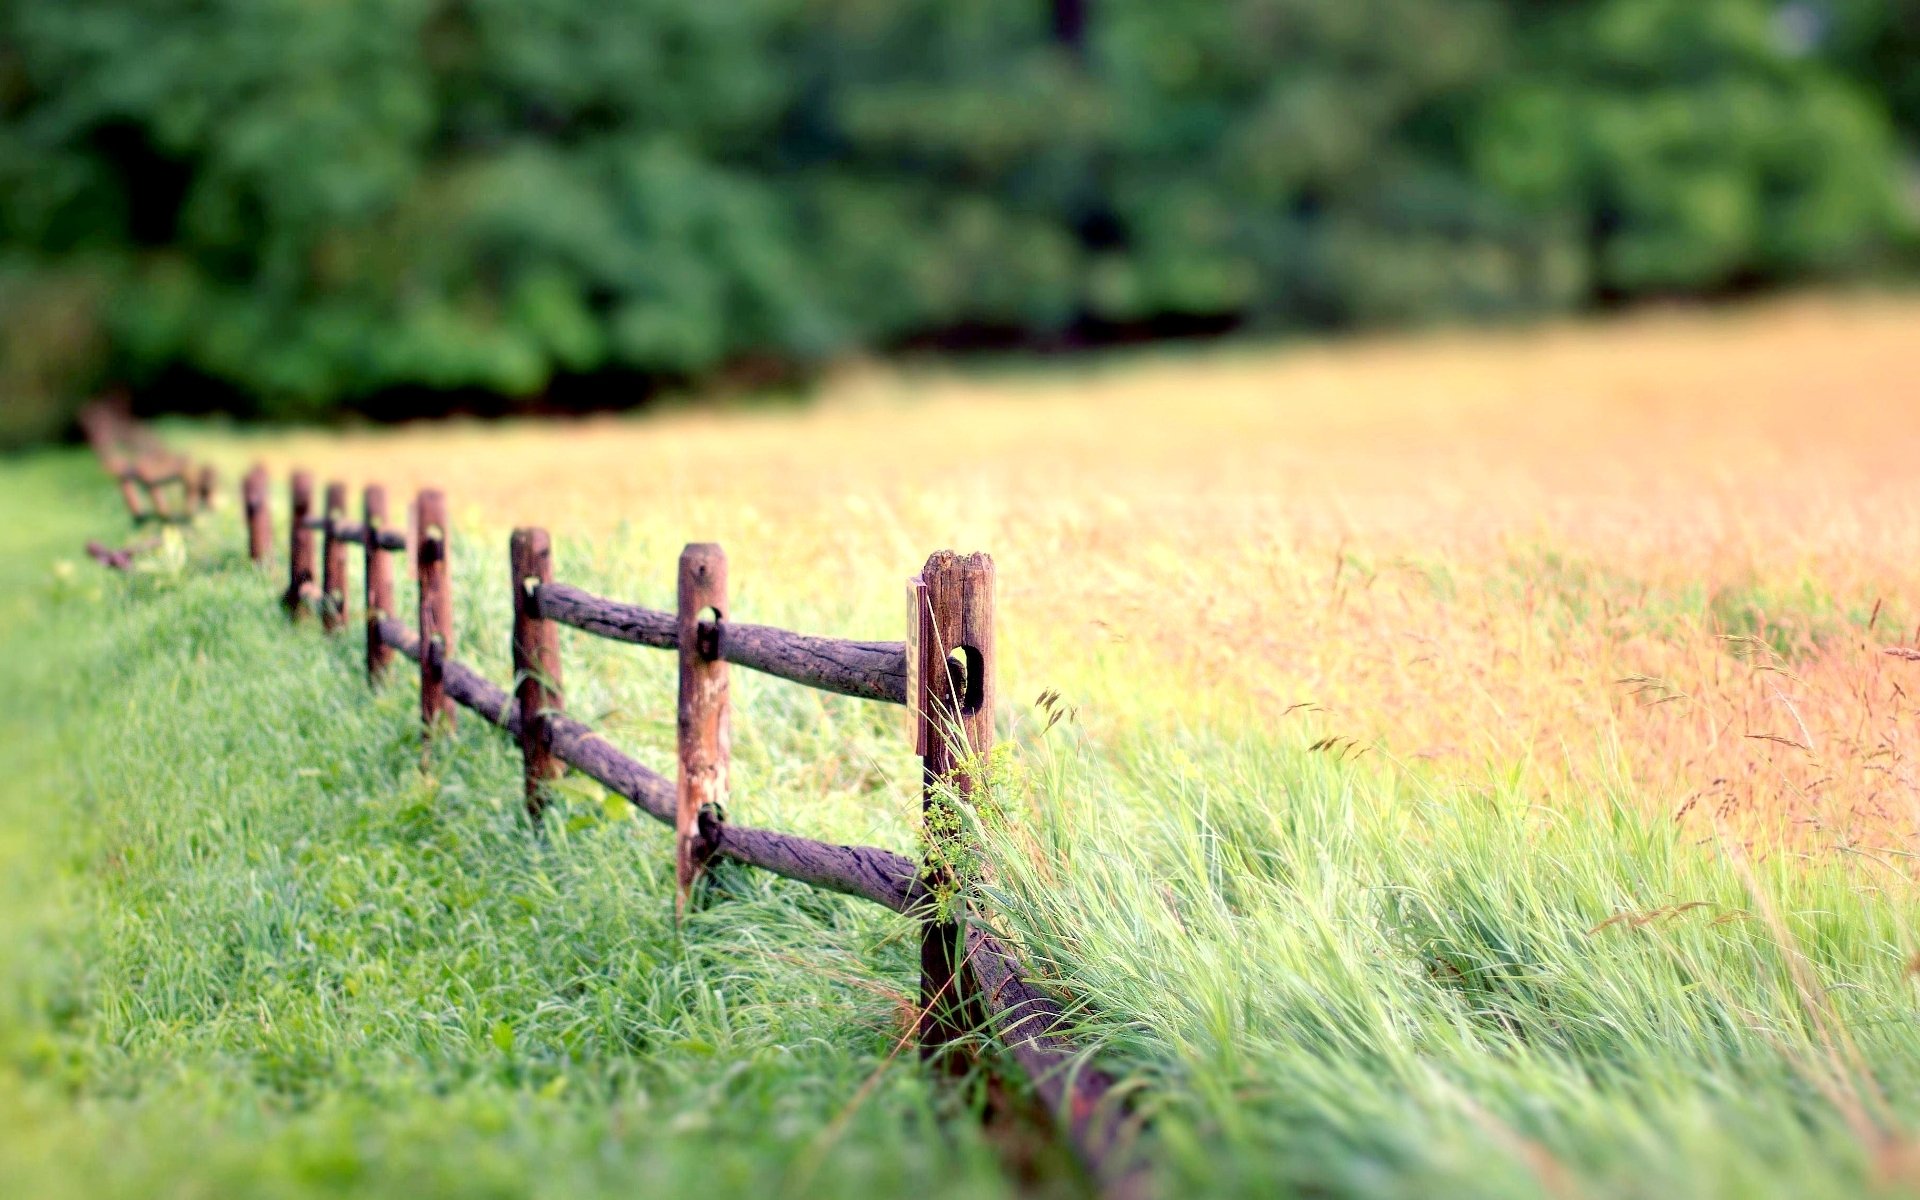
[250, 947]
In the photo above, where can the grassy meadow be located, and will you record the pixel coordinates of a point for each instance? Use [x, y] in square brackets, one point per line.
[1478, 770]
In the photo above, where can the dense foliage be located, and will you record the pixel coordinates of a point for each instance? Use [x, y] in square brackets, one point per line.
[316, 204]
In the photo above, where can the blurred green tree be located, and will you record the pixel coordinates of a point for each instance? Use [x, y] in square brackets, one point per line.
[290, 207]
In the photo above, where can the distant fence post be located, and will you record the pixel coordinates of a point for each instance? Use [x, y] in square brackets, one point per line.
[333, 581]
[203, 487]
[705, 719]
[253, 494]
[129, 491]
[299, 544]
[436, 608]
[536, 662]
[950, 686]
[379, 579]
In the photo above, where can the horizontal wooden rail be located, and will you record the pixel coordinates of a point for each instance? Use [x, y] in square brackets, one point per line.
[143, 476]
[866, 670]
[1030, 1022]
[886, 878]
[356, 534]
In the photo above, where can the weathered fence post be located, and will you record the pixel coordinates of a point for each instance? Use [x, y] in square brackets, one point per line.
[299, 544]
[705, 719]
[436, 608]
[536, 662]
[333, 558]
[129, 491]
[203, 486]
[379, 579]
[253, 494]
[950, 669]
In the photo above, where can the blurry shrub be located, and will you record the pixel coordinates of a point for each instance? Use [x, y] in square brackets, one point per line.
[52, 349]
[314, 204]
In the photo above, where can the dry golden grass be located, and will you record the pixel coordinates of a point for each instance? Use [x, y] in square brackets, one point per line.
[1669, 549]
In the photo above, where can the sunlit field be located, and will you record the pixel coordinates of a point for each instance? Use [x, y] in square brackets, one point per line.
[1484, 764]
[1665, 550]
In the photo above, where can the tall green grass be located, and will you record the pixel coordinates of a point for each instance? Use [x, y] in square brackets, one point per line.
[1334, 978]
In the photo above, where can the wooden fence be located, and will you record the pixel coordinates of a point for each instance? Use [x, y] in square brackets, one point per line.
[942, 673]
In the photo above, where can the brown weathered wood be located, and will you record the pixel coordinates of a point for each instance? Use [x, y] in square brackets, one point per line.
[1033, 1025]
[868, 872]
[253, 497]
[953, 635]
[299, 545]
[1036, 1030]
[391, 540]
[155, 475]
[377, 569]
[536, 664]
[705, 717]
[868, 670]
[436, 608]
[106, 556]
[204, 484]
[98, 421]
[608, 618]
[130, 496]
[333, 559]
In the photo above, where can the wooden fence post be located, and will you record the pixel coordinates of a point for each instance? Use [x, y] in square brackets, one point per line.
[379, 579]
[253, 494]
[436, 608]
[333, 581]
[950, 686]
[705, 719]
[129, 491]
[203, 487]
[299, 544]
[536, 662]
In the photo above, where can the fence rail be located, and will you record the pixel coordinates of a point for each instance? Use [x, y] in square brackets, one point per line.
[943, 673]
[865, 670]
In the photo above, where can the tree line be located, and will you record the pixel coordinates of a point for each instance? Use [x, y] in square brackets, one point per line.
[289, 208]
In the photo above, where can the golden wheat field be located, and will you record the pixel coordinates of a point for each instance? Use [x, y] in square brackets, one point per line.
[1672, 549]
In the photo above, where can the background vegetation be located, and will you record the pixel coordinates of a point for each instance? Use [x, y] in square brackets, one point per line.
[285, 209]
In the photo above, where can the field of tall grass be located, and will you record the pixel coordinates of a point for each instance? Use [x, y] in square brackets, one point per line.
[1478, 769]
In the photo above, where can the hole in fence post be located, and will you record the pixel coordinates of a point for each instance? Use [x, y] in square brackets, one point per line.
[536, 663]
[951, 726]
[299, 544]
[704, 713]
[333, 584]
[378, 571]
[436, 610]
[965, 680]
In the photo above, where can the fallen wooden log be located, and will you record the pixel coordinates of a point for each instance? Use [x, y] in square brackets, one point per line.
[866, 670]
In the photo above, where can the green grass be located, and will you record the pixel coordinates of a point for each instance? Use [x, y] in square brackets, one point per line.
[251, 947]
[1335, 979]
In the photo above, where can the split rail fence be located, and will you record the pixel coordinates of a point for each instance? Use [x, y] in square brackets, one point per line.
[942, 673]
